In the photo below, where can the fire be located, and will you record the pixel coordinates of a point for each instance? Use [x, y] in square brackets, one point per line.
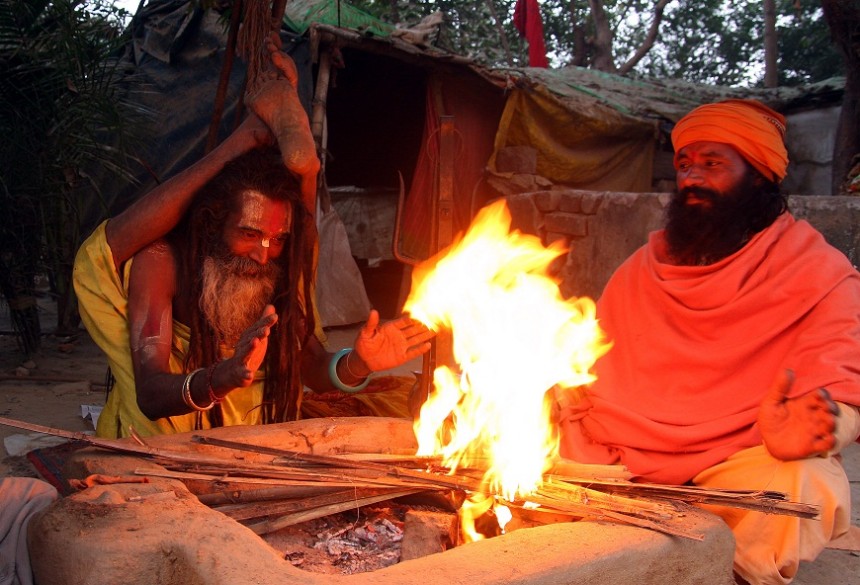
[514, 338]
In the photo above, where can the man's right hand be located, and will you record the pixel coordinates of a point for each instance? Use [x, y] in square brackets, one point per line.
[250, 350]
[799, 427]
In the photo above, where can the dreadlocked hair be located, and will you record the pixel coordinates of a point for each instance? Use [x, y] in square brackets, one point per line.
[200, 235]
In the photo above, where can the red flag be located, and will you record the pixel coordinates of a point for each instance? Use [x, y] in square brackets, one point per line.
[530, 26]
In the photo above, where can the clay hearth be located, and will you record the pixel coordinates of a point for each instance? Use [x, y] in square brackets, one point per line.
[159, 533]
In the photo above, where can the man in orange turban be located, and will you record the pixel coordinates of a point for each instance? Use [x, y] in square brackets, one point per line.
[736, 346]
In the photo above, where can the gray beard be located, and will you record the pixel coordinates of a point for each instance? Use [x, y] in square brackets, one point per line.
[232, 298]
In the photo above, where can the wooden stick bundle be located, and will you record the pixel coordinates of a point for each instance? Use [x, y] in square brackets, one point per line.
[300, 486]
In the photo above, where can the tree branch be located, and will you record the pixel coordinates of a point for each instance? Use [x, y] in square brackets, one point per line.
[649, 39]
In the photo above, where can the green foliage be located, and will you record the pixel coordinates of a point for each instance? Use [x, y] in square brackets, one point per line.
[721, 42]
[469, 28]
[64, 118]
[806, 51]
[706, 41]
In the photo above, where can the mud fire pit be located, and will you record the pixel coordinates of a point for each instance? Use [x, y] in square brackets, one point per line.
[159, 532]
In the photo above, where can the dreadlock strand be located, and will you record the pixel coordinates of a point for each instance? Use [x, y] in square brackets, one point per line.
[256, 26]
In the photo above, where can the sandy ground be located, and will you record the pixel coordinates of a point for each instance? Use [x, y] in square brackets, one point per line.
[69, 373]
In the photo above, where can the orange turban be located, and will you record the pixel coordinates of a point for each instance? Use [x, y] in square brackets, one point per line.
[753, 129]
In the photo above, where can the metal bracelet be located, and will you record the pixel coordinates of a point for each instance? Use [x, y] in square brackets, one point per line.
[186, 393]
[349, 370]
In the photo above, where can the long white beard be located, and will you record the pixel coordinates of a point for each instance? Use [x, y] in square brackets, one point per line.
[232, 298]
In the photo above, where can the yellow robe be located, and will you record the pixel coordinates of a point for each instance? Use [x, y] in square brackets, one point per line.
[103, 303]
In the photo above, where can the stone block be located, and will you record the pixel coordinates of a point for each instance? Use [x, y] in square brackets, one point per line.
[570, 202]
[591, 203]
[571, 224]
[547, 201]
[426, 533]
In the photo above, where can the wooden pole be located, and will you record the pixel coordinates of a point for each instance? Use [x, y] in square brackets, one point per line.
[443, 342]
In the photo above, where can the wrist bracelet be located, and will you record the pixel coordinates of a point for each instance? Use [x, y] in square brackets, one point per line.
[349, 370]
[335, 379]
[213, 398]
[186, 392]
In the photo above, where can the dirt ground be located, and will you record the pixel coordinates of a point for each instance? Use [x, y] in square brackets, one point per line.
[69, 373]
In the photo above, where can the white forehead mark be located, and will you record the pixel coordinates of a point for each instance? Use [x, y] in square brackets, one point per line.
[253, 215]
[253, 204]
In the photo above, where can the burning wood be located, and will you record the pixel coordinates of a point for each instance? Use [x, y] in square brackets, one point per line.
[299, 486]
[652, 506]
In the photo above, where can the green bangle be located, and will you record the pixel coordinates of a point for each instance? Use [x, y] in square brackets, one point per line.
[335, 379]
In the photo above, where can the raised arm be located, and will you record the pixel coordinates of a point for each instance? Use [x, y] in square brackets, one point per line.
[158, 211]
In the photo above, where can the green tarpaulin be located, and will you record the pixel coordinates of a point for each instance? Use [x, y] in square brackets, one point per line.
[300, 14]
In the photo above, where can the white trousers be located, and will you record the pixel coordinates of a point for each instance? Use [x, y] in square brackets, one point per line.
[769, 547]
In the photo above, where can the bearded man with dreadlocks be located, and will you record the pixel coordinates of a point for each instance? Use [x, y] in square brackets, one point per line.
[199, 293]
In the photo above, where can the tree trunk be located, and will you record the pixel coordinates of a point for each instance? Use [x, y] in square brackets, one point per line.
[603, 59]
[771, 72]
[843, 18]
[580, 58]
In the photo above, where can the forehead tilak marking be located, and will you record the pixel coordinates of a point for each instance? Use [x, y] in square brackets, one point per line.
[253, 214]
[252, 209]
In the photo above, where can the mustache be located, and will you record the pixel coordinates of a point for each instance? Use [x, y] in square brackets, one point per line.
[245, 267]
[702, 193]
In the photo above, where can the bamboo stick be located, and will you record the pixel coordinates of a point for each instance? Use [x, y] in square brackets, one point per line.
[762, 501]
[567, 492]
[451, 482]
[665, 525]
[295, 477]
[566, 467]
[268, 526]
[253, 510]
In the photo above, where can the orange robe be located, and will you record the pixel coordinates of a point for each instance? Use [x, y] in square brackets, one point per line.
[696, 347]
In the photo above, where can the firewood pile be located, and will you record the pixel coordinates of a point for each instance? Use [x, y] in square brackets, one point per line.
[275, 489]
[344, 482]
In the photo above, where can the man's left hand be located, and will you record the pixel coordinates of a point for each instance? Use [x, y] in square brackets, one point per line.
[391, 344]
[799, 427]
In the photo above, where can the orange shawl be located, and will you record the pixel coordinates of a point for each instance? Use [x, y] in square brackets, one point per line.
[695, 348]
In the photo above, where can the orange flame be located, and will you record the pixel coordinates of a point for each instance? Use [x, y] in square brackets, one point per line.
[514, 339]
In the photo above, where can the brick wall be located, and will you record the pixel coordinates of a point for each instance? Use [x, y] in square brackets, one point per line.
[603, 228]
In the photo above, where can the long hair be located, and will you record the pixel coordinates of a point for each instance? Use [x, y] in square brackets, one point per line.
[200, 235]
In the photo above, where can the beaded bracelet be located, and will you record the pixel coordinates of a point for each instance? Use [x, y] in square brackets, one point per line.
[186, 393]
[335, 379]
